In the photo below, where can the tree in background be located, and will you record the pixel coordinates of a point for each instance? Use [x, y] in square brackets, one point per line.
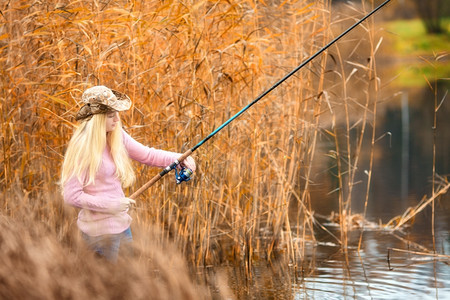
[432, 13]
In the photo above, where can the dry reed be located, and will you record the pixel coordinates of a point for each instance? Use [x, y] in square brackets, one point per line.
[432, 257]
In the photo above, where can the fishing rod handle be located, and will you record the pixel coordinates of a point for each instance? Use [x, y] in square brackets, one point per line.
[160, 175]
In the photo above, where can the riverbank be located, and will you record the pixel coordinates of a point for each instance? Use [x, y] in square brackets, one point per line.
[417, 57]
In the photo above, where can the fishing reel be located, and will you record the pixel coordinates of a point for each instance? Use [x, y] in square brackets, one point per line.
[183, 175]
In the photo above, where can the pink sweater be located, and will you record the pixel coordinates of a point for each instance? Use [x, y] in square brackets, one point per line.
[99, 201]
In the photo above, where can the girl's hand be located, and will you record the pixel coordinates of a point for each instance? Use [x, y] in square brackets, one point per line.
[125, 204]
[189, 163]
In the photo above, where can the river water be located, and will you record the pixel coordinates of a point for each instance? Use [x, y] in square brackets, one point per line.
[402, 176]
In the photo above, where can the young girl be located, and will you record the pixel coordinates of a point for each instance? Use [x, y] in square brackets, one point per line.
[97, 165]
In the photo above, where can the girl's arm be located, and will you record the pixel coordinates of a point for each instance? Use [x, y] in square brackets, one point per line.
[74, 195]
[147, 155]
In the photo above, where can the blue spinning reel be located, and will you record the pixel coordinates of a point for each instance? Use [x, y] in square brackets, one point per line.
[183, 175]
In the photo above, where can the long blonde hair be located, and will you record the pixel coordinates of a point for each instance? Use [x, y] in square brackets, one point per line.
[85, 150]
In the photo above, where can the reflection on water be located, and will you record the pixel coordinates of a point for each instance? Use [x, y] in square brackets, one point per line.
[402, 176]
[368, 275]
[404, 167]
[403, 157]
[359, 275]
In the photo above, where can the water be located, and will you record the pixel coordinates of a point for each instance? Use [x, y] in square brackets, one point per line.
[359, 275]
[368, 275]
[402, 176]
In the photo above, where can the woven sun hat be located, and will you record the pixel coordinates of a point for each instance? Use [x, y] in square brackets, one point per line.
[100, 100]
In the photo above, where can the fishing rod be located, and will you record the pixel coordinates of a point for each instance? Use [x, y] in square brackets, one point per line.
[185, 174]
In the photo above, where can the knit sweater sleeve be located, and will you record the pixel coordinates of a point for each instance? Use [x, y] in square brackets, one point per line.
[75, 195]
[146, 155]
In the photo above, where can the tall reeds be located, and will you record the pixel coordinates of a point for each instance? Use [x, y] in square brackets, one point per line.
[352, 79]
[188, 67]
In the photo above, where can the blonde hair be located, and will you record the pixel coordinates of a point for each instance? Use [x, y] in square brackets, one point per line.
[85, 150]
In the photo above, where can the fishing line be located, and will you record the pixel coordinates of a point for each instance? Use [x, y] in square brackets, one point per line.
[184, 174]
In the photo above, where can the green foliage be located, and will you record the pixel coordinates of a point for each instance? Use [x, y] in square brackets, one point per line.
[411, 38]
[411, 43]
[420, 73]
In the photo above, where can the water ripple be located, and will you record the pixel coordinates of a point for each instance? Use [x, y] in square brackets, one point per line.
[334, 280]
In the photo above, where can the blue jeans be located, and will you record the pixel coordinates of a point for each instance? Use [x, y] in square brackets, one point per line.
[109, 245]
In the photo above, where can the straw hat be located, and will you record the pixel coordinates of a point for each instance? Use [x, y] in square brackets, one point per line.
[100, 100]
